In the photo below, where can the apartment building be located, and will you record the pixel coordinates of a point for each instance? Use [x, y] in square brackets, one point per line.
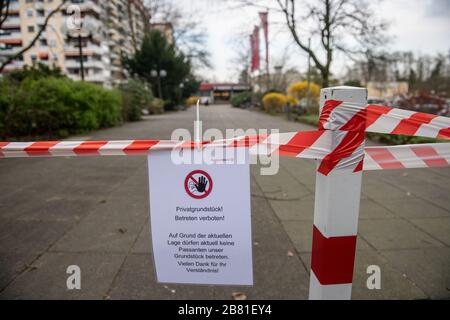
[111, 30]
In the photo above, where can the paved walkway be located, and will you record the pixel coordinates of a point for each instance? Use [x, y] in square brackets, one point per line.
[93, 212]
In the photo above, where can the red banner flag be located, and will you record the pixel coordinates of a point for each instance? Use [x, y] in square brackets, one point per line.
[264, 16]
[254, 39]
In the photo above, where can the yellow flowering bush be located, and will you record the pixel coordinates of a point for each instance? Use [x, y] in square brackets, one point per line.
[299, 90]
[192, 101]
[274, 102]
[292, 100]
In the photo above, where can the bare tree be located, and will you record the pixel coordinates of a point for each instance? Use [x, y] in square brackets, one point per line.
[241, 58]
[348, 26]
[188, 34]
[335, 22]
[11, 58]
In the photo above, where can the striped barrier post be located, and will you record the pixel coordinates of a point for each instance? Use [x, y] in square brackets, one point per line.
[337, 199]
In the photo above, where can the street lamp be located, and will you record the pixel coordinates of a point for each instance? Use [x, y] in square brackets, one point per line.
[158, 75]
[85, 31]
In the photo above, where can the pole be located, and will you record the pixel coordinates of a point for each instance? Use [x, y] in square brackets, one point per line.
[80, 51]
[336, 210]
[159, 87]
[198, 127]
[308, 98]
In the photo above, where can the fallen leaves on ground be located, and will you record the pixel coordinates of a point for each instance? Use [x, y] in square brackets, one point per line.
[239, 296]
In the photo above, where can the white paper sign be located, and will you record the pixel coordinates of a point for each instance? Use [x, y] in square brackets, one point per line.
[200, 221]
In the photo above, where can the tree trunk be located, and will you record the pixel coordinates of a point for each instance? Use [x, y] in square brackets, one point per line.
[325, 79]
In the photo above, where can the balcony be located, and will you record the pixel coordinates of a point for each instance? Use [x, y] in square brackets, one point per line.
[14, 6]
[74, 64]
[87, 5]
[9, 51]
[97, 78]
[14, 66]
[12, 22]
[10, 35]
[87, 51]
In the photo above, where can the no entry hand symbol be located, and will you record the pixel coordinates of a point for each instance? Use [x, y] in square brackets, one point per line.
[198, 184]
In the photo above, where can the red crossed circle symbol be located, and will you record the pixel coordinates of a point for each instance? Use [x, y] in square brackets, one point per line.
[192, 184]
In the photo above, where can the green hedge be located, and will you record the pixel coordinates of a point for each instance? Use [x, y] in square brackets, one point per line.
[55, 107]
[135, 97]
[239, 99]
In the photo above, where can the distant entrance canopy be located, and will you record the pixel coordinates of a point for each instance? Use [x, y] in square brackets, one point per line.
[220, 92]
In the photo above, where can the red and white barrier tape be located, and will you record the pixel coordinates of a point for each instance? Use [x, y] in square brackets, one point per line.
[338, 115]
[308, 144]
[407, 156]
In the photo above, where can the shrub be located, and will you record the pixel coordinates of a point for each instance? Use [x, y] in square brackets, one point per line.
[36, 71]
[292, 100]
[156, 106]
[136, 96]
[55, 107]
[192, 101]
[299, 90]
[274, 102]
[239, 99]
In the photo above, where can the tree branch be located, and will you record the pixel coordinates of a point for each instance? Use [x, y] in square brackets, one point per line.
[290, 20]
[31, 44]
[4, 11]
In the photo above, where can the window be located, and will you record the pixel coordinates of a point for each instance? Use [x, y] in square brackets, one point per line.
[52, 43]
[30, 12]
[30, 28]
[33, 58]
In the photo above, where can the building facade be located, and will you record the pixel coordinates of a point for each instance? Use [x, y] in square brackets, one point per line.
[111, 30]
[221, 92]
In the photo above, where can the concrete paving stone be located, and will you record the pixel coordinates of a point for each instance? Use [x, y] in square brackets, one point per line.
[113, 227]
[304, 170]
[60, 209]
[46, 278]
[23, 237]
[137, 280]
[281, 186]
[427, 268]
[438, 227]
[143, 243]
[416, 176]
[441, 171]
[294, 209]
[414, 208]
[383, 191]
[394, 284]
[369, 209]
[422, 189]
[442, 202]
[267, 232]
[276, 276]
[256, 191]
[395, 234]
[300, 233]
[12, 264]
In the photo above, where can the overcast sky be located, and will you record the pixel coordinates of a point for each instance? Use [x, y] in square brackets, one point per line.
[422, 26]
